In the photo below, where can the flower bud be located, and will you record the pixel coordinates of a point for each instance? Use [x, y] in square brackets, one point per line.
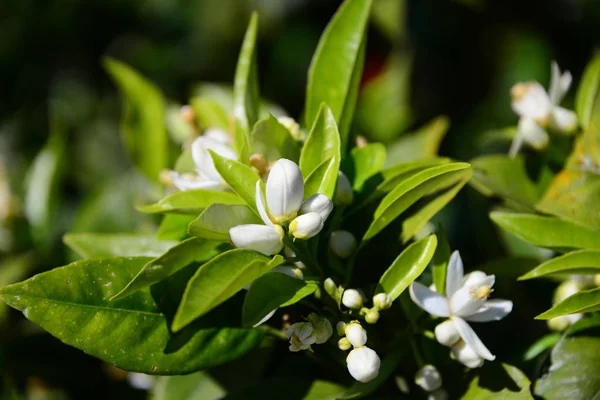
[465, 354]
[563, 322]
[340, 327]
[440, 394]
[318, 203]
[563, 120]
[566, 289]
[267, 240]
[372, 316]
[429, 378]
[344, 344]
[597, 279]
[446, 333]
[382, 301]
[330, 287]
[343, 191]
[285, 190]
[356, 334]
[352, 299]
[300, 336]
[363, 364]
[322, 329]
[306, 226]
[402, 384]
[342, 243]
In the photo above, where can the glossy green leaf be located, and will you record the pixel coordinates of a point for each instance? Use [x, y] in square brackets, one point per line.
[197, 386]
[576, 262]
[580, 302]
[363, 163]
[241, 178]
[324, 390]
[336, 67]
[322, 144]
[424, 143]
[246, 97]
[71, 303]
[440, 260]
[218, 280]
[12, 270]
[174, 226]
[514, 383]
[548, 232]
[143, 127]
[542, 344]
[272, 291]
[322, 179]
[104, 245]
[588, 91]
[214, 223]
[191, 201]
[574, 372]
[175, 259]
[412, 189]
[407, 267]
[210, 113]
[274, 141]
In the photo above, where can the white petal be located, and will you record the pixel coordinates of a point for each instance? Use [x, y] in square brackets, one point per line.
[532, 134]
[454, 274]
[260, 205]
[203, 160]
[466, 355]
[430, 301]
[492, 310]
[476, 278]
[559, 84]
[267, 240]
[318, 203]
[531, 100]
[285, 190]
[563, 120]
[217, 134]
[470, 337]
[185, 182]
[464, 302]
[265, 318]
[306, 225]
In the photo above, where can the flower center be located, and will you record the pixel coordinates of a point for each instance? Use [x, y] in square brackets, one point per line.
[481, 292]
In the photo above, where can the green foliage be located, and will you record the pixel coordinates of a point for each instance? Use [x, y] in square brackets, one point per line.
[190, 202]
[512, 384]
[274, 141]
[239, 177]
[105, 245]
[575, 262]
[214, 222]
[196, 386]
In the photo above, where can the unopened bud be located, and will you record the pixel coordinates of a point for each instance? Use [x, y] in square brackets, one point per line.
[344, 344]
[372, 316]
[342, 243]
[343, 191]
[352, 299]
[566, 289]
[402, 384]
[429, 378]
[318, 203]
[306, 226]
[363, 364]
[258, 162]
[187, 114]
[563, 322]
[356, 334]
[330, 287]
[382, 301]
[446, 333]
[465, 354]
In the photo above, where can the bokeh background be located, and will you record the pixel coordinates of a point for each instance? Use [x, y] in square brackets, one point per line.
[425, 58]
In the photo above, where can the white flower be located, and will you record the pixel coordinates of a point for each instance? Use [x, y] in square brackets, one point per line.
[429, 378]
[466, 355]
[300, 336]
[342, 243]
[322, 328]
[465, 300]
[356, 334]
[352, 299]
[538, 109]
[363, 364]
[343, 190]
[382, 301]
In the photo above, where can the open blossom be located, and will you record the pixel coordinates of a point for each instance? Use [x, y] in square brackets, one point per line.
[283, 204]
[539, 109]
[302, 335]
[206, 176]
[466, 299]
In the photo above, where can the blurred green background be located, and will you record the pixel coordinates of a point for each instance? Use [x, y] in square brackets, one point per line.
[63, 167]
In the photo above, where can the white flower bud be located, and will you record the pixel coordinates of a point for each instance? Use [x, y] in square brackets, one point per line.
[465, 354]
[321, 328]
[344, 344]
[429, 378]
[285, 190]
[372, 316]
[300, 336]
[566, 289]
[356, 334]
[267, 240]
[340, 327]
[563, 322]
[440, 394]
[352, 299]
[318, 203]
[342, 243]
[382, 301]
[330, 287]
[343, 190]
[306, 226]
[446, 333]
[563, 120]
[363, 364]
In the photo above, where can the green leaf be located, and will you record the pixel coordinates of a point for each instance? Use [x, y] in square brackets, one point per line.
[412, 189]
[218, 280]
[324, 390]
[270, 292]
[143, 127]
[174, 226]
[440, 260]
[322, 144]
[175, 259]
[322, 179]
[185, 163]
[580, 302]
[274, 141]
[574, 372]
[363, 163]
[588, 91]
[191, 201]
[210, 113]
[336, 67]
[104, 245]
[197, 386]
[407, 267]
[548, 232]
[424, 143]
[214, 223]
[246, 97]
[514, 383]
[241, 178]
[71, 303]
[576, 262]
[542, 344]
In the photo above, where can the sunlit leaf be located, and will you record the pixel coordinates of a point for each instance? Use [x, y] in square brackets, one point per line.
[423, 143]
[495, 381]
[580, 302]
[575, 262]
[196, 386]
[104, 245]
[246, 97]
[191, 201]
[241, 178]
[214, 223]
[274, 141]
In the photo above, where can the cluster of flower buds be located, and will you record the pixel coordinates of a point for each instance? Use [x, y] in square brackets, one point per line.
[430, 380]
[466, 299]
[316, 330]
[575, 284]
[283, 208]
[363, 363]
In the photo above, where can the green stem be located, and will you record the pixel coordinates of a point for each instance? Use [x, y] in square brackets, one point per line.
[415, 330]
[273, 332]
[302, 253]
